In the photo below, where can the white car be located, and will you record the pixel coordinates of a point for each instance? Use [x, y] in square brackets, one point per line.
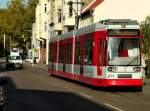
[14, 62]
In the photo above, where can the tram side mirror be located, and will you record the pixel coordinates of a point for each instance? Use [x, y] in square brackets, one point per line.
[3, 82]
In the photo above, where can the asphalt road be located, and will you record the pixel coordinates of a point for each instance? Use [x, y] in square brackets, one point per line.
[32, 89]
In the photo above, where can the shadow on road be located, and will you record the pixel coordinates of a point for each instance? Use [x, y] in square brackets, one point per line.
[104, 89]
[43, 100]
[2, 67]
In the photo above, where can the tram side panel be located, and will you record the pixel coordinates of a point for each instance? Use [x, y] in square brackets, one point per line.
[85, 67]
[69, 57]
[88, 58]
[52, 66]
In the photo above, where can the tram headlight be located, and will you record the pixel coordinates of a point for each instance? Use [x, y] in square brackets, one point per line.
[112, 69]
[136, 69]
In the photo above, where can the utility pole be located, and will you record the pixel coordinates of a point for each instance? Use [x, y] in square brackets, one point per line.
[4, 41]
[4, 44]
[10, 44]
[62, 16]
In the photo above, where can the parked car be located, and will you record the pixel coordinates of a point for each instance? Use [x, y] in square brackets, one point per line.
[14, 62]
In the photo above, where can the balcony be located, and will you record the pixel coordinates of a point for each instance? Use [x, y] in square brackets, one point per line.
[58, 26]
[69, 21]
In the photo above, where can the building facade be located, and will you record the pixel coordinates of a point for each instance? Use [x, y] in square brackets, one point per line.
[114, 9]
[53, 17]
[41, 31]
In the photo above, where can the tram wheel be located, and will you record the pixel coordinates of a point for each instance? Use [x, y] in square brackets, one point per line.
[139, 89]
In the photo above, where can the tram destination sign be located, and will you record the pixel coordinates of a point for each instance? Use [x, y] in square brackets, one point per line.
[123, 32]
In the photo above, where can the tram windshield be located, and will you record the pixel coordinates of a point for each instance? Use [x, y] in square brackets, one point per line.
[124, 51]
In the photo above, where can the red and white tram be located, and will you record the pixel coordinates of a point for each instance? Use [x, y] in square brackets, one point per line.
[102, 54]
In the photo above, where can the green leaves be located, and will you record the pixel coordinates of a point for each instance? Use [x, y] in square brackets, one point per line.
[15, 20]
[145, 27]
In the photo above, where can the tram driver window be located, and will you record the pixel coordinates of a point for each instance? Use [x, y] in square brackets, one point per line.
[88, 52]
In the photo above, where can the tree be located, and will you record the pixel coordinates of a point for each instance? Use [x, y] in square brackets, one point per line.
[145, 27]
[15, 20]
[29, 19]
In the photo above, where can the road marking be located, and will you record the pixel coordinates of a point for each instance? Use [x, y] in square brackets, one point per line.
[114, 107]
[87, 96]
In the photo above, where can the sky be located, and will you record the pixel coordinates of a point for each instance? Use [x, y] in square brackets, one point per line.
[3, 3]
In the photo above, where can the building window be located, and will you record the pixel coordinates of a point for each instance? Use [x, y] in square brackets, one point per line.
[44, 45]
[59, 32]
[70, 29]
[70, 9]
[59, 15]
[45, 26]
[45, 8]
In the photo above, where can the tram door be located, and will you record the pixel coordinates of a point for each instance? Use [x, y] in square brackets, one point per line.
[78, 58]
[62, 54]
[81, 55]
[53, 55]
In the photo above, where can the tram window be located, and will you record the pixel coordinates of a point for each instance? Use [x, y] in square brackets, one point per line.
[77, 53]
[51, 53]
[61, 58]
[88, 52]
[69, 53]
[105, 52]
[54, 53]
[100, 52]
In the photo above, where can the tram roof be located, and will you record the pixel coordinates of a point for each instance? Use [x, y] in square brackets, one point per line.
[91, 28]
[66, 35]
[52, 39]
[104, 24]
[119, 21]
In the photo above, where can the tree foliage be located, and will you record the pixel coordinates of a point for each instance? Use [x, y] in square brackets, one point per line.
[145, 27]
[16, 22]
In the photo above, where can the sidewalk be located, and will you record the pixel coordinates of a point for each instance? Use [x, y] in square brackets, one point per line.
[43, 67]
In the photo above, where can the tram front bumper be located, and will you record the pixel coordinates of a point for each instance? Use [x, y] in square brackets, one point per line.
[119, 82]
